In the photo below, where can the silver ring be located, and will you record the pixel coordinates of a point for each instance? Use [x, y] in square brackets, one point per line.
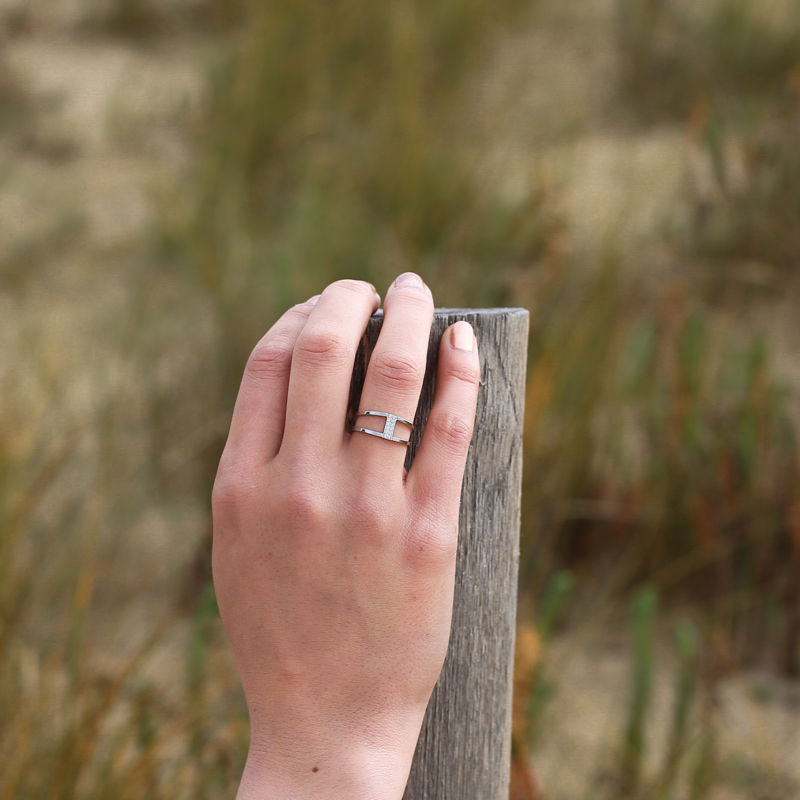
[388, 428]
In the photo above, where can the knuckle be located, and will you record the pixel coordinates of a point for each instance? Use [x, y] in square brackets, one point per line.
[452, 430]
[224, 496]
[229, 497]
[396, 370]
[431, 546]
[468, 374]
[299, 313]
[271, 359]
[321, 346]
[304, 507]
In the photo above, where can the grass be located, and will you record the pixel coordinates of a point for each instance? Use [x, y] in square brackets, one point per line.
[97, 701]
[671, 433]
[335, 142]
[729, 71]
[677, 56]
[145, 21]
[750, 222]
[659, 449]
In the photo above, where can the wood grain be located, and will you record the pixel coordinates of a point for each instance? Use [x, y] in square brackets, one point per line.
[464, 749]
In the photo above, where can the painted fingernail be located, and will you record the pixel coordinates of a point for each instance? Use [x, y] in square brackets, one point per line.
[411, 280]
[462, 337]
[313, 301]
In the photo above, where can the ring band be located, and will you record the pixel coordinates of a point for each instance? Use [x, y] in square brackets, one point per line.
[388, 428]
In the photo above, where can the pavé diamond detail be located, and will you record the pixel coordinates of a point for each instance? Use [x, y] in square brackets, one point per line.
[388, 426]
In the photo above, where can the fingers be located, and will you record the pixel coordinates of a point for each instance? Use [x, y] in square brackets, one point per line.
[434, 480]
[394, 375]
[322, 367]
[259, 414]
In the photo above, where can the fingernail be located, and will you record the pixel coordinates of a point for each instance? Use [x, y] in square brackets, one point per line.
[462, 337]
[313, 301]
[367, 283]
[410, 279]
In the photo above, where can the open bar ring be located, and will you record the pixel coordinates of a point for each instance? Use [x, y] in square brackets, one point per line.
[388, 428]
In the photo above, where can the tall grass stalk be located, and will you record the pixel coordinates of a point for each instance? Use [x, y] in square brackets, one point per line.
[644, 608]
[554, 598]
[703, 773]
[685, 686]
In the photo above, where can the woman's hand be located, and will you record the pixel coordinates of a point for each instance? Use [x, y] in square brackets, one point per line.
[334, 569]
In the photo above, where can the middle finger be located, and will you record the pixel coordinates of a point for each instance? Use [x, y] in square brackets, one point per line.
[322, 366]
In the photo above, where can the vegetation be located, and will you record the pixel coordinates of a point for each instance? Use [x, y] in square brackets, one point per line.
[661, 457]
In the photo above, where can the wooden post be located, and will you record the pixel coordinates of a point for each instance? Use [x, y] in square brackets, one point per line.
[464, 749]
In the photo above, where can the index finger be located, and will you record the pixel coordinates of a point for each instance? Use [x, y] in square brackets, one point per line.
[259, 414]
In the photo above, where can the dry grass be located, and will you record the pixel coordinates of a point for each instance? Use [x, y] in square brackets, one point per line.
[678, 55]
[337, 141]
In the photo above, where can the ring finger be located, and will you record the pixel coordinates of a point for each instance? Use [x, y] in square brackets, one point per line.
[395, 373]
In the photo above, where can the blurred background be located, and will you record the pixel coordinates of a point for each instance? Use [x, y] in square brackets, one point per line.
[175, 173]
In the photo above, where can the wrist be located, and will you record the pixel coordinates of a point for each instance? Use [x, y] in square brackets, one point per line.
[355, 773]
[375, 766]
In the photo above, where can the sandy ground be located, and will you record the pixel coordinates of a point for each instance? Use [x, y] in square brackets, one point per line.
[757, 720]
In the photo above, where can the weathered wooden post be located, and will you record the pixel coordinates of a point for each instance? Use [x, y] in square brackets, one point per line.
[464, 750]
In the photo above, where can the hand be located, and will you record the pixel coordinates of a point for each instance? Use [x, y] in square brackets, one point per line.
[333, 568]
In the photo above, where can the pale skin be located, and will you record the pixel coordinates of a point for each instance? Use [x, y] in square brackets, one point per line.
[333, 568]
